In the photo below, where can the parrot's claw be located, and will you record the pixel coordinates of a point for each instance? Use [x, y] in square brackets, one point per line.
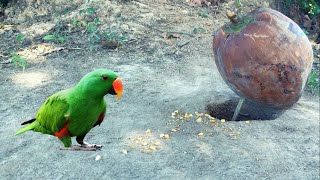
[84, 147]
[96, 146]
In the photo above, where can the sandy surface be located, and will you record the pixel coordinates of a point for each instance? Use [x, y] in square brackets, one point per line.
[272, 145]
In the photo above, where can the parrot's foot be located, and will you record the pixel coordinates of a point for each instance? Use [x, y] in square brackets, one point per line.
[84, 147]
[87, 145]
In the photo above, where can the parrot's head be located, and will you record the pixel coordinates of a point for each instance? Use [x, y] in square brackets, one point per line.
[101, 82]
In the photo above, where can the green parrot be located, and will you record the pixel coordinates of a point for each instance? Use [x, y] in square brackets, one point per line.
[75, 111]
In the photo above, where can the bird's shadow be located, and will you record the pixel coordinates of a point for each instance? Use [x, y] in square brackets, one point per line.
[249, 110]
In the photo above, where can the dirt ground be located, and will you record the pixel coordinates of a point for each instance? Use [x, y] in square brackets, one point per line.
[166, 64]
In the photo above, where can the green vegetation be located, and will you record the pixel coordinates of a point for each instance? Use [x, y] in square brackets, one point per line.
[110, 35]
[203, 14]
[54, 37]
[311, 7]
[19, 61]
[237, 27]
[199, 29]
[4, 3]
[88, 22]
[20, 38]
[313, 82]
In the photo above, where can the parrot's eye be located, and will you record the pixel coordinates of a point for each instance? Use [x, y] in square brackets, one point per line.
[104, 77]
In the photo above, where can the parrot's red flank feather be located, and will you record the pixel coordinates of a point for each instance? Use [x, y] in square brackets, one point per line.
[63, 131]
[100, 119]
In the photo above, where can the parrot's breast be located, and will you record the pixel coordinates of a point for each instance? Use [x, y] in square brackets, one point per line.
[84, 116]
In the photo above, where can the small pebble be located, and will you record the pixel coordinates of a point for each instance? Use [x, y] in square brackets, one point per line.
[124, 151]
[98, 158]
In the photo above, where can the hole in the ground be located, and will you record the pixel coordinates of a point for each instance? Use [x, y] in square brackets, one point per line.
[249, 110]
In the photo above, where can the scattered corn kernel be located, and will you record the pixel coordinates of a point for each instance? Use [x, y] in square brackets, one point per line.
[201, 134]
[173, 130]
[223, 120]
[148, 131]
[157, 143]
[199, 120]
[161, 135]
[153, 148]
[213, 121]
[166, 136]
[188, 115]
[144, 143]
[247, 122]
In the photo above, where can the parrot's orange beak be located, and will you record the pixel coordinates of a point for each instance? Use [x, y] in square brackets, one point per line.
[118, 87]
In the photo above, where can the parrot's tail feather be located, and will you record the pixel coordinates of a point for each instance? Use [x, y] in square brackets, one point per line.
[27, 128]
[28, 122]
[35, 126]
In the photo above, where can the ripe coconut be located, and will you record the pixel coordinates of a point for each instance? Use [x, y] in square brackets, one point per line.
[264, 57]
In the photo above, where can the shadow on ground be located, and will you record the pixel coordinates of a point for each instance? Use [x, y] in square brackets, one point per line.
[249, 110]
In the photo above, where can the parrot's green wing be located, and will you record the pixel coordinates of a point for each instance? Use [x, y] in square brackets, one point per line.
[51, 116]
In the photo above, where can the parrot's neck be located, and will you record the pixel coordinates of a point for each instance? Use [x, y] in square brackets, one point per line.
[85, 91]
